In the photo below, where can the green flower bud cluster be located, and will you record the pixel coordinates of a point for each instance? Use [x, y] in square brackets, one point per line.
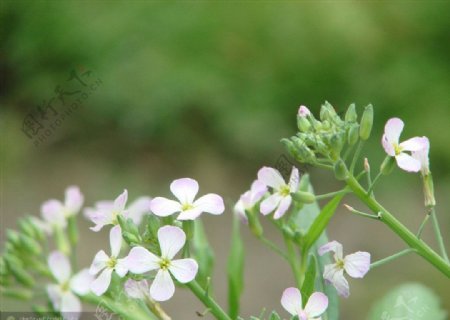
[321, 141]
[22, 259]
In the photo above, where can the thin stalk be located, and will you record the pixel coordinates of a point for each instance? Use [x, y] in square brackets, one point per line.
[293, 261]
[331, 194]
[362, 214]
[439, 238]
[273, 247]
[398, 228]
[391, 258]
[209, 302]
[372, 185]
[323, 166]
[422, 225]
[356, 155]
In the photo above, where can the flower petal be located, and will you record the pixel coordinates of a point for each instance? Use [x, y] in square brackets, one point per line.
[303, 111]
[121, 267]
[52, 212]
[239, 210]
[81, 281]
[269, 204]
[357, 264]
[171, 240]
[407, 162]
[136, 289]
[70, 306]
[100, 217]
[294, 180]
[120, 202]
[184, 270]
[257, 190]
[184, 189]
[393, 129]
[101, 284]
[99, 262]
[73, 200]
[388, 146]
[115, 240]
[333, 246]
[59, 266]
[414, 144]
[282, 207]
[291, 300]
[422, 156]
[336, 277]
[190, 214]
[271, 177]
[316, 305]
[138, 208]
[162, 288]
[140, 260]
[164, 207]
[211, 203]
[55, 295]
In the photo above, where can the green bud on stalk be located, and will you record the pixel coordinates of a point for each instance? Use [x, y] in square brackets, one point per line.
[73, 230]
[366, 123]
[13, 237]
[19, 294]
[340, 170]
[22, 276]
[303, 124]
[353, 134]
[253, 223]
[27, 228]
[30, 244]
[428, 190]
[303, 197]
[130, 238]
[387, 165]
[351, 115]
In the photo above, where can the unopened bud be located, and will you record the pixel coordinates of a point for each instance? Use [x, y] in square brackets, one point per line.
[19, 294]
[303, 197]
[349, 208]
[254, 224]
[303, 124]
[30, 244]
[22, 276]
[353, 134]
[130, 238]
[351, 115]
[366, 123]
[13, 237]
[340, 170]
[26, 227]
[387, 165]
[366, 165]
[428, 190]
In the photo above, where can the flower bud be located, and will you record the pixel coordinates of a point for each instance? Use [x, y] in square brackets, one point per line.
[353, 134]
[254, 224]
[13, 237]
[366, 165]
[303, 197]
[303, 124]
[366, 123]
[30, 244]
[26, 227]
[428, 190]
[351, 115]
[130, 238]
[340, 170]
[387, 165]
[19, 273]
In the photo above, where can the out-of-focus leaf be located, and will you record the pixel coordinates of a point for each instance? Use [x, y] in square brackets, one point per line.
[303, 221]
[235, 270]
[203, 254]
[310, 279]
[274, 316]
[412, 301]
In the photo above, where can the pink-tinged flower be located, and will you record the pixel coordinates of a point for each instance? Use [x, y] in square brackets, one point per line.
[314, 308]
[249, 199]
[55, 213]
[63, 295]
[393, 148]
[185, 190]
[422, 156]
[356, 265]
[104, 265]
[140, 260]
[281, 198]
[303, 112]
[106, 212]
[137, 289]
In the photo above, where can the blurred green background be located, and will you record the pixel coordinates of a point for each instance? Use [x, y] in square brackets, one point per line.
[207, 90]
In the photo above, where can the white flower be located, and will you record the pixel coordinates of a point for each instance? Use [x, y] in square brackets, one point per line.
[106, 212]
[249, 199]
[356, 265]
[393, 148]
[56, 213]
[281, 198]
[422, 156]
[303, 111]
[140, 260]
[104, 265]
[185, 190]
[63, 294]
[314, 308]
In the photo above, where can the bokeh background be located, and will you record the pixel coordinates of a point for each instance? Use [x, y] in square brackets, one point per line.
[207, 90]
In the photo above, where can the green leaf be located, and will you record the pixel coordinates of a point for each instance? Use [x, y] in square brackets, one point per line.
[203, 253]
[310, 278]
[235, 270]
[412, 301]
[274, 316]
[303, 220]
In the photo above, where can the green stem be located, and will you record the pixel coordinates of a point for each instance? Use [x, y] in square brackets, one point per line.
[398, 228]
[215, 309]
[273, 247]
[293, 261]
[331, 194]
[422, 225]
[391, 258]
[439, 238]
[363, 214]
[372, 185]
[356, 155]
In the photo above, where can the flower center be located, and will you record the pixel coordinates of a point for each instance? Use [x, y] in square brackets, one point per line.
[187, 206]
[111, 263]
[65, 286]
[397, 149]
[340, 264]
[164, 264]
[284, 191]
